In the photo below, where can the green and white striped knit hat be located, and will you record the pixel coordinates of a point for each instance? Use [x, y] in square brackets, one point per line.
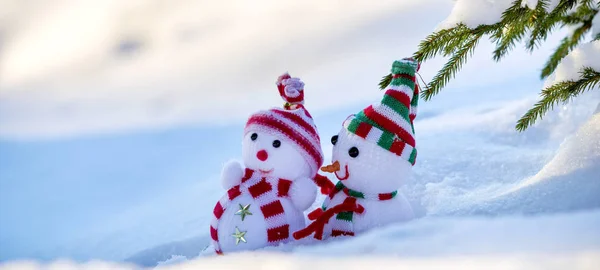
[389, 123]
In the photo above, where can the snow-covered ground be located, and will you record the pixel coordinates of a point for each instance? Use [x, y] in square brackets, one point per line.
[91, 176]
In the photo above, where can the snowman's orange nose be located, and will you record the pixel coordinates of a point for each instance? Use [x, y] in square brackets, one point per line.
[262, 155]
[331, 168]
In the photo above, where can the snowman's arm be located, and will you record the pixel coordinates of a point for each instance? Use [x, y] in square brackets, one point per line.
[303, 193]
[232, 174]
[324, 183]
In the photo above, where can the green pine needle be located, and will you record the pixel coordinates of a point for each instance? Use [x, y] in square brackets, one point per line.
[385, 81]
[559, 93]
[450, 69]
[544, 23]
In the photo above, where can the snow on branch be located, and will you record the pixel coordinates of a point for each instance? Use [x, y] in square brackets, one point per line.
[569, 69]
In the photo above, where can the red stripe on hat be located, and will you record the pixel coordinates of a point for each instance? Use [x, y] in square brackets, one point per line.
[234, 192]
[278, 233]
[305, 111]
[404, 75]
[218, 211]
[399, 96]
[260, 188]
[363, 129]
[389, 125]
[283, 187]
[298, 121]
[297, 99]
[273, 208]
[213, 234]
[397, 147]
[269, 121]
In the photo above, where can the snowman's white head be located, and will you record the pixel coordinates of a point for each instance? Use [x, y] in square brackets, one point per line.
[366, 167]
[283, 142]
[274, 155]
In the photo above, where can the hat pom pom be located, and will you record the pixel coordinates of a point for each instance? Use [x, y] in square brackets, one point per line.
[413, 61]
[291, 89]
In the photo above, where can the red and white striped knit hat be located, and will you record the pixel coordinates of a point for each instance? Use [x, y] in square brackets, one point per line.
[292, 123]
[389, 123]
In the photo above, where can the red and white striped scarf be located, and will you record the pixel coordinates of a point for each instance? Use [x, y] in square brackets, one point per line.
[266, 192]
[343, 212]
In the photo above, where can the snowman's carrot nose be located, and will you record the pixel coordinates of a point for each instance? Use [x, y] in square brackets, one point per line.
[331, 168]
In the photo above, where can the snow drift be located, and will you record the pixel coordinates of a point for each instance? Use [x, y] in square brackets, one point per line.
[569, 182]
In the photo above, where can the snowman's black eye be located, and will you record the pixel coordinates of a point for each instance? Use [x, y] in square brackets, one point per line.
[334, 139]
[253, 136]
[353, 152]
[276, 143]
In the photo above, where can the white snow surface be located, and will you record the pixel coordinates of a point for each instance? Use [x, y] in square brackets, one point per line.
[586, 55]
[485, 196]
[558, 241]
[531, 4]
[596, 25]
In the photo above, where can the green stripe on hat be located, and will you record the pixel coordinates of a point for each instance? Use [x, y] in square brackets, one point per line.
[413, 156]
[363, 118]
[397, 106]
[353, 126]
[403, 81]
[415, 100]
[386, 140]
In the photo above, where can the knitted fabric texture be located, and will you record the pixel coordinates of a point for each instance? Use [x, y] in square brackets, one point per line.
[344, 226]
[266, 192]
[389, 123]
[293, 122]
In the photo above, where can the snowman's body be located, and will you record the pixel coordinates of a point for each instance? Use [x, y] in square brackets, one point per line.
[271, 223]
[377, 213]
[273, 194]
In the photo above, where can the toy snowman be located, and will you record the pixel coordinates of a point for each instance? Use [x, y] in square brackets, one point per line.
[264, 202]
[373, 155]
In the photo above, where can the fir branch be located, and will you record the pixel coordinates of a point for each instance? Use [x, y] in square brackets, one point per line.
[460, 37]
[451, 67]
[542, 23]
[435, 43]
[559, 93]
[515, 21]
[385, 81]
